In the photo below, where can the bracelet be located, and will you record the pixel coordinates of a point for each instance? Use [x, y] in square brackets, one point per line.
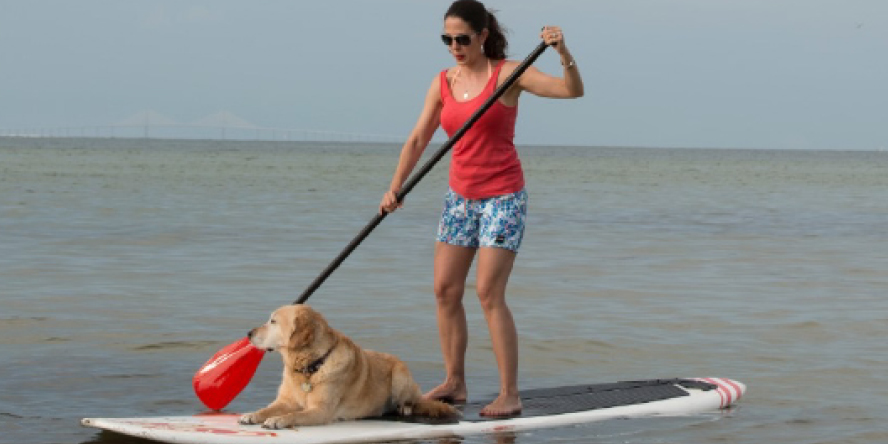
[570, 64]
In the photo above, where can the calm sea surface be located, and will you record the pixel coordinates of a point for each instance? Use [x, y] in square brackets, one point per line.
[125, 264]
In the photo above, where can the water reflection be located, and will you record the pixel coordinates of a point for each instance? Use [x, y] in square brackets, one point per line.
[493, 438]
[105, 437]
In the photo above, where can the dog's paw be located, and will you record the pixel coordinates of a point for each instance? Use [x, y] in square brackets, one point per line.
[278, 422]
[250, 418]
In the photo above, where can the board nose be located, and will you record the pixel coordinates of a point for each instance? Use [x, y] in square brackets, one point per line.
[732, 388]
[730, 391]
[741, 387]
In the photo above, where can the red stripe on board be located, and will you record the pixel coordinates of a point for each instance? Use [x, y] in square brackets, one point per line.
[736, 387]
[717, 390]
[735, 394]
[728, 393]
[721, 392]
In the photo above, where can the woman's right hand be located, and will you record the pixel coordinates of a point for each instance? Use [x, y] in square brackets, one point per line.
[390, 202]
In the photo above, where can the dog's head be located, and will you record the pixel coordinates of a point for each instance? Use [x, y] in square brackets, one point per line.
[289, 327]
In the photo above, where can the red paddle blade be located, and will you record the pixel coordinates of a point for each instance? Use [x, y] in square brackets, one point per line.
[227, 373]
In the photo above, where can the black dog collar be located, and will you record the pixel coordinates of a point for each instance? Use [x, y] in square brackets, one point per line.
[313, 368]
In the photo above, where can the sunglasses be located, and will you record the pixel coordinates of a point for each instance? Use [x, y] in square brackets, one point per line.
[461, 39]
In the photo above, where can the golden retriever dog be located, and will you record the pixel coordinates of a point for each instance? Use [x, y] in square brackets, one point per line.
[327, 377]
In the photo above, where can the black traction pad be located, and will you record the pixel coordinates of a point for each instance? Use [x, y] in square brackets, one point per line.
[579, 398]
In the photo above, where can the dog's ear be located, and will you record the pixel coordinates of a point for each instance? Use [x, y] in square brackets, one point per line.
[303, 329]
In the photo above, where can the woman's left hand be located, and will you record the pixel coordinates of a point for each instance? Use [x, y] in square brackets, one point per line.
[553, 36]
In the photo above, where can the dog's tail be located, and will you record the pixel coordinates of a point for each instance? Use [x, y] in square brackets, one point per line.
[430, 408]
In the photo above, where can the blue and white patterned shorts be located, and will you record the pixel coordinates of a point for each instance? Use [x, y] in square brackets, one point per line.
[491, 222]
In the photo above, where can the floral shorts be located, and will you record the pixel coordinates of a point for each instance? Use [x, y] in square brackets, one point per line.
[491, 222]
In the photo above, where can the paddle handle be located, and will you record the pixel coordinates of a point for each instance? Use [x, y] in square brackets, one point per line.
[411, 183]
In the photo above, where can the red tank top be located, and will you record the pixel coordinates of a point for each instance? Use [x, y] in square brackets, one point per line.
[484, 161]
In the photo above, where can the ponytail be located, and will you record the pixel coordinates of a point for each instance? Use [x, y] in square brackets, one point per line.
[496, 44]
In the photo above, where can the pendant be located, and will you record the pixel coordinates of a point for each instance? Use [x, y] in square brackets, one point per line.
[465, 95]
[306, 387]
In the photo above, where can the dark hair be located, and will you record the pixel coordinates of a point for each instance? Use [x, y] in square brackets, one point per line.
[478, 17]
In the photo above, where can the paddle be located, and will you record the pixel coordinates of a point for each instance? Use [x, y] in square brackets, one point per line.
[227, 373]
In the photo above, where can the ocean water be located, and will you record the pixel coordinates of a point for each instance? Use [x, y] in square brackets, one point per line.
[125, 264]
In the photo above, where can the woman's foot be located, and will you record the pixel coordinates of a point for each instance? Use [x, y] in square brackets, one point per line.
[449, 392]
[503, 406]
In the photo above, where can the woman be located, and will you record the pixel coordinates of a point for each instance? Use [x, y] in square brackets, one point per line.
[486, 205]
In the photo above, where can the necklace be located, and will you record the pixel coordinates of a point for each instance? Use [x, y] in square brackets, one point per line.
[465, 88]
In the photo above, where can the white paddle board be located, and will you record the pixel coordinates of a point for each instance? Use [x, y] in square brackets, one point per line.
[543, 408]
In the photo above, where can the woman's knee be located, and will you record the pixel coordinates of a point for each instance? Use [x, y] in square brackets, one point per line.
[449, 293]
[491, 297]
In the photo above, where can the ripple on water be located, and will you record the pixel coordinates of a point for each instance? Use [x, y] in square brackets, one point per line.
[174, 345]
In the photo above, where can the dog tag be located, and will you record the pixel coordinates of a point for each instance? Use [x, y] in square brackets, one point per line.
[306, 387]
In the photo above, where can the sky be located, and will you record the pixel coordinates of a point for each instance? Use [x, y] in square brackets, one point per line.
[788, 74]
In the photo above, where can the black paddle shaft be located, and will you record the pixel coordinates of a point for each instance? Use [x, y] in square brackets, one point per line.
[408, 186]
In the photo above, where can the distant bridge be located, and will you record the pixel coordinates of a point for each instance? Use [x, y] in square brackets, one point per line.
[220, 126]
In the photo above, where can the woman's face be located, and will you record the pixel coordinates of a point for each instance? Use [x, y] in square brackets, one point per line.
[457, 29]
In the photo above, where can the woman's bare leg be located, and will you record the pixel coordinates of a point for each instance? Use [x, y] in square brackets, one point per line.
[452, 264]
[494, 268]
